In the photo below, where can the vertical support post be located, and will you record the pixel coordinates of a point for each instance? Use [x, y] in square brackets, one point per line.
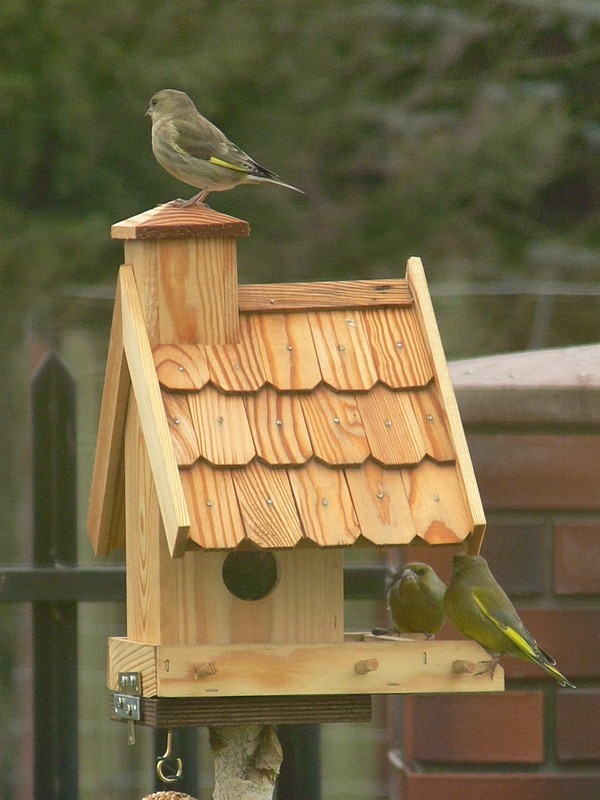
[300, 775]
[55, 706]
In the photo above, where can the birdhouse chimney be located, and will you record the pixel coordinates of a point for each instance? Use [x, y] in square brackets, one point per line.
[185, 267]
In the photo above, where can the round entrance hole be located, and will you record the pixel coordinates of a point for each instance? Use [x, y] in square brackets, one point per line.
[250, 574]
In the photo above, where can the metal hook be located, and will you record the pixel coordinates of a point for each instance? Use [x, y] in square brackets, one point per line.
[167, 760]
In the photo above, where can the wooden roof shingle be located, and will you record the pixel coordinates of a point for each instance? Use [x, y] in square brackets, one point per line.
[331, 421]
[325, 425]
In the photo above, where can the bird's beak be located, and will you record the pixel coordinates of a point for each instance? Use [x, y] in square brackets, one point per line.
[149, 112]
[408, 575]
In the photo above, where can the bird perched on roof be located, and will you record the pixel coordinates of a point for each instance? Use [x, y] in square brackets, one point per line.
[477, 605]
[195, 151]
[416, 600]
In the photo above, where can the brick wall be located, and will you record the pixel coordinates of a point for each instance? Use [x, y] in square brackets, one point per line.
[533, 424]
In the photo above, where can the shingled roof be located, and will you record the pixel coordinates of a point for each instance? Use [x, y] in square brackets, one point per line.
[331, 421]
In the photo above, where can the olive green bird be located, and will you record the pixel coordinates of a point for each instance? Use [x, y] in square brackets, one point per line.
[477, 606]
[195, 151]
[416, 600]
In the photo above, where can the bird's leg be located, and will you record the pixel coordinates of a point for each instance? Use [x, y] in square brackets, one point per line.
[197, 199]
[490, 666]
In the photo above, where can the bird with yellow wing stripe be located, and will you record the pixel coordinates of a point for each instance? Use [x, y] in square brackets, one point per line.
[477, 606]
[195, 151]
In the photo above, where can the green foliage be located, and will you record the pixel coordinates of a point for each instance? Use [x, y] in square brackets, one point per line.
[451, 129]
[460, 131]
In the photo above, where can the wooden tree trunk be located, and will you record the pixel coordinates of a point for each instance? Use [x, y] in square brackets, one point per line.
[247, 762]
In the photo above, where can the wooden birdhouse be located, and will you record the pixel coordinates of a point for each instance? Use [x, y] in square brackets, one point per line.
[249, 435]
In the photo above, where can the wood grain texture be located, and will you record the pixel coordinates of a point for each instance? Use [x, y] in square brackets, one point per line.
[278, 427]
[392, 430]
[270, 670]
[152, 415]
[175, 712]
[381, 504]
[324, 505]
[126, 655]
[188, 289]
[145, 586]
[267, 506]
[222, 427]
[235, 367]
[335, 427]
[287, 350]
[437, 505]
[343, 350]
[431, 419]
[415, 277]
[183, 434]
[398, 347]
[313, 580]
[211, 498]
[169, 222]
[277, 297]
[106, 510]
[181, 367]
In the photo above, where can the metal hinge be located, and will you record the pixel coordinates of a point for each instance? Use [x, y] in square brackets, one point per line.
[126, 702]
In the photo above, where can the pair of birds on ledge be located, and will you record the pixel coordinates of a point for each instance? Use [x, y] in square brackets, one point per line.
[195, 151]
[474, 602]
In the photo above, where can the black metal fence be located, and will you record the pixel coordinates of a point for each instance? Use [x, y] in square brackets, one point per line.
[55, 584]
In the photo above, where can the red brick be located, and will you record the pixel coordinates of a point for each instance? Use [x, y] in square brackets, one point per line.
[499, 786]
[577, 558]
[578, 725]
[490, 729]
[537, 471]
[515, 554]
[570, 635]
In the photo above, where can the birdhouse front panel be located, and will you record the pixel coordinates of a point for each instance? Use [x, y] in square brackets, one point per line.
[329, 422]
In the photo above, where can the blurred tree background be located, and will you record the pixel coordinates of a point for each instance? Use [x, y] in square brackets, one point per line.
[463, 131]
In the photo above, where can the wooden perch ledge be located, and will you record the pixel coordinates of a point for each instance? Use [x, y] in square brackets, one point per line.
[351, 667]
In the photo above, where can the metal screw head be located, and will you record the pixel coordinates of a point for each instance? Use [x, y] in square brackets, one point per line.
[399, 345]
[220, 420]
[269, 501]
[380, 495]
[180, 368]
[388, 423]
[429, 417]
[176, 420]
[209, 503]
[324, 502]
[341, 348]
[278, 422]
[336, 420]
